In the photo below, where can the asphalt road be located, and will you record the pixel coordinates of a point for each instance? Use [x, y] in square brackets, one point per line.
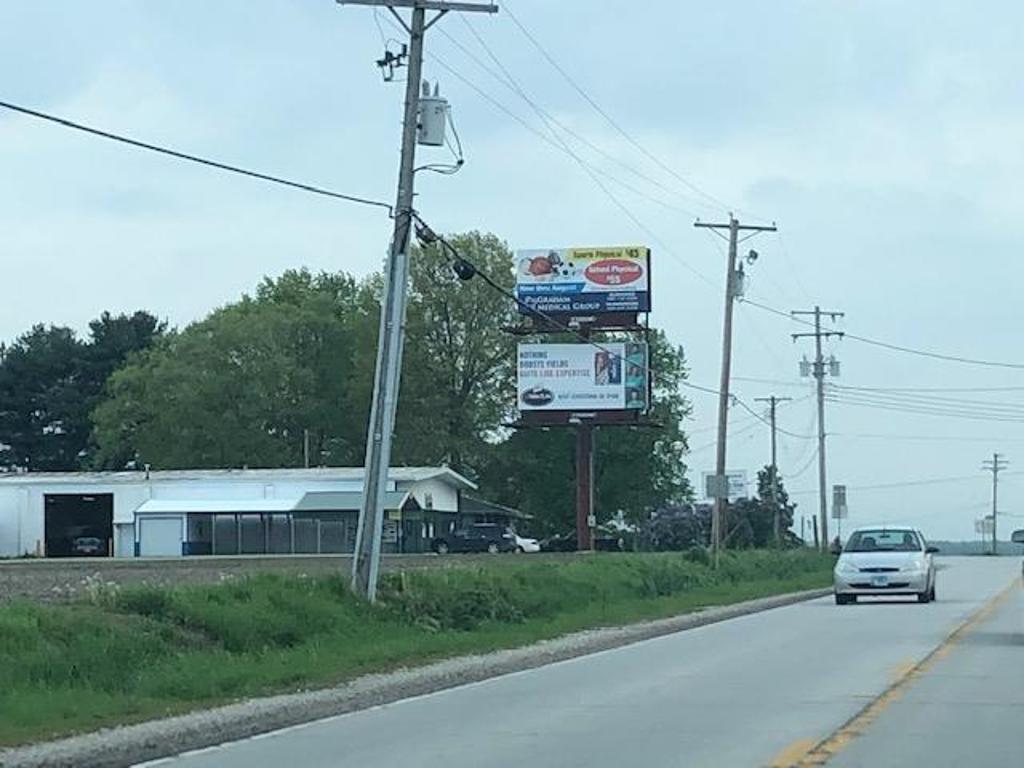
[872, 684]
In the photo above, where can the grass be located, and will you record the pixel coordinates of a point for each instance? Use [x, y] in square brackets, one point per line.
[134, 654]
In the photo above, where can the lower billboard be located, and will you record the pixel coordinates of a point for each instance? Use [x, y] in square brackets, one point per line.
[574, 377]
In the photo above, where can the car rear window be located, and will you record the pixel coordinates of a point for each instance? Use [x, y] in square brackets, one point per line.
[884, 540]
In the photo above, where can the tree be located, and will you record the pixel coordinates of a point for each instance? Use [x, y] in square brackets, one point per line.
[457, 379]
[241, 387]
[39, 400]
[49, 382]
[752, 521]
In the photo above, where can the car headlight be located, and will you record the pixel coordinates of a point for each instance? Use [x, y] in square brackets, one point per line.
[914, 565]
[845, 566]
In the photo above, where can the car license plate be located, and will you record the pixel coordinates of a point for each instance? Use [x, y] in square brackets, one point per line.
[879, 581]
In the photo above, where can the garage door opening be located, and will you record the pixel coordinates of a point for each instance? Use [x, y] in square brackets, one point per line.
[79, 525]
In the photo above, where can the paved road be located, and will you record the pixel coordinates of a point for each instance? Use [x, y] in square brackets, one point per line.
[762, 690]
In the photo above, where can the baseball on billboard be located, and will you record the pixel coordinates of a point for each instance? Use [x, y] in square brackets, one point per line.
[566, 377]
[584, 280]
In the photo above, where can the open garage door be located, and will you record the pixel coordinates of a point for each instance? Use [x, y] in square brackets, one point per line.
[160, 536]
[78, 524]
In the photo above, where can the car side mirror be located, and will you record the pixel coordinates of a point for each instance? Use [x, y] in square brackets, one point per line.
[836, 549]
[931, 550]
[1018, 537]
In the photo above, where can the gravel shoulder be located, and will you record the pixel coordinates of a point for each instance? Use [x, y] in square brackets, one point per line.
[133, 744]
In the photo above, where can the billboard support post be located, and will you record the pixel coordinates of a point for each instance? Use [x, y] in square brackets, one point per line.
[584, 485]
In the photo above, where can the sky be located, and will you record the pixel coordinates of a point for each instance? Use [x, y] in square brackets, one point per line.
[882, 138]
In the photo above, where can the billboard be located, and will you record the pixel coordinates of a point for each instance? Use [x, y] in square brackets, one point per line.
[584, 281]
[574, 377]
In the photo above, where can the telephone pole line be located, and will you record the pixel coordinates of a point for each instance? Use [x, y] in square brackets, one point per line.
[995, 465]
[819, 374]
[733, 288]
[366, 562]
[773, 403]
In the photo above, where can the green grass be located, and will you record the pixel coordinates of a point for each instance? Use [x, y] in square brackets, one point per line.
[133, 654]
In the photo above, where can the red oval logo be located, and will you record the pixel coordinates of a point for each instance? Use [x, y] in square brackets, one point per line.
[614, 272]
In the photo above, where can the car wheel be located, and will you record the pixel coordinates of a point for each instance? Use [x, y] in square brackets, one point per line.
[924, 597]
[520, 551]
[492, 548]
[931, 594]
[845, 599]
[441, 548]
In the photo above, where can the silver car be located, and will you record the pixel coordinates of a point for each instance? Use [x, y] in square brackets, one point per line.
[885, 560]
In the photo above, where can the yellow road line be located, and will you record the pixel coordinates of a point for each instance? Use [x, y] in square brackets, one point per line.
[806, 753]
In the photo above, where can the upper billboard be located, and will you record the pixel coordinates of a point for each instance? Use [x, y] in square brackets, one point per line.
[584, 281]
[578, 377]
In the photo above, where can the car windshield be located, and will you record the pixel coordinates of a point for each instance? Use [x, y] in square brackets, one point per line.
[884, 541]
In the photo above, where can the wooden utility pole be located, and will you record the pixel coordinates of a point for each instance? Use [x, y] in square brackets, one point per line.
[819, 374]
[995, 465]
[773, 402]
[734, 227]
[366, 563]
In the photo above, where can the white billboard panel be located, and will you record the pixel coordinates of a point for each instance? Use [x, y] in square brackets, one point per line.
[578, 377]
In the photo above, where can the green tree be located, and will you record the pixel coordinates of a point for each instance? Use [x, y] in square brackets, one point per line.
[752, 521]
[241, 387]
[457, 376]
[49, 382]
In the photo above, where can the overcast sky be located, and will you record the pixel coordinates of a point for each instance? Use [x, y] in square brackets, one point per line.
[883, 138]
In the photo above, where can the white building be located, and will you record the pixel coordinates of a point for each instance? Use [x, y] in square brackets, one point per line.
[236, 511]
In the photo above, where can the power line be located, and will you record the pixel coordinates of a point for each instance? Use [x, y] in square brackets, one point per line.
[936, 401]
[192, 158]
[908, 483]
[586, 167]
[575, 134]
[611, 121]
[766, 421]
[936, 389]
[924, 410]
[896, 347]
[799, 472]
[925, 438]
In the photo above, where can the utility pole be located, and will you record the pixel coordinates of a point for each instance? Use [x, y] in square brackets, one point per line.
[819, 374]
[366, 562]
[773, 403]
[995, 465]
[733, 288]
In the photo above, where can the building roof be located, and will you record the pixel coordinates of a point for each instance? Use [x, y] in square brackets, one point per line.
[323, 501]
[398, 474]
[342, 500]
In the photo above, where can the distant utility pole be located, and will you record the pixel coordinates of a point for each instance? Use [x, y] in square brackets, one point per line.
[819, 374]
[773, 402]
[995, 465]
[366, 563]
[733, 288]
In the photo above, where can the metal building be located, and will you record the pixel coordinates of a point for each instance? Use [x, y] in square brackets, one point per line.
[221, 512]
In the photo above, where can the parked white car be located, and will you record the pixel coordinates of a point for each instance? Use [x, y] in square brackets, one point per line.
[524, 544]
[885, 560]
